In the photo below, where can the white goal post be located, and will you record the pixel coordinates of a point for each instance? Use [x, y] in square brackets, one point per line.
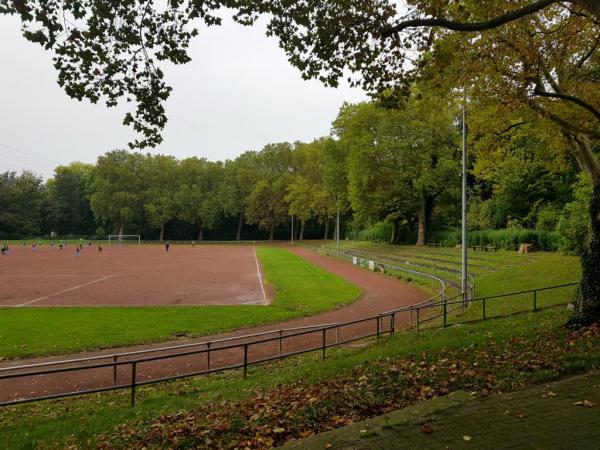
[119, 238]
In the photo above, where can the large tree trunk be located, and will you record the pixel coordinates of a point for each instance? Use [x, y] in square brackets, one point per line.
[588, 308]
[394, 237]
[201, 232]
[238, 235]
[326, 235]
[162, 232]
[302, 223]
[272, 232]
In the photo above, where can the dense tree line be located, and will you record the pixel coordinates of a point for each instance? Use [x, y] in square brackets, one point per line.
[393, 161]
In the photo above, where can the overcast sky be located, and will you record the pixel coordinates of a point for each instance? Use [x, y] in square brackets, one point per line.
[239, 93]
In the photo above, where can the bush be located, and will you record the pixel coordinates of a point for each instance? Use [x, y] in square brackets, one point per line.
[381, 231]
[574, 220]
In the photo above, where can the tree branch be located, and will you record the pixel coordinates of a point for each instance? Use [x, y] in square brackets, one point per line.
[569, 98]
[466, 26]
[589, 54]
[507, 129]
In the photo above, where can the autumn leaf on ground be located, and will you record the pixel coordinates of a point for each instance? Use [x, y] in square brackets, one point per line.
[467, 438]
[426, 428]
[550, 394]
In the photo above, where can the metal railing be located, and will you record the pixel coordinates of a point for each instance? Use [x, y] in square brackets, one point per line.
[323, 337]
[386, 264]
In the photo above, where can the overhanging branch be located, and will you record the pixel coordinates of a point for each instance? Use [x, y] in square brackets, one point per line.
[568, 98]
[466, 26]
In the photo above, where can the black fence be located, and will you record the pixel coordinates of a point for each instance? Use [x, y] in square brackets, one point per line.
[122, 371]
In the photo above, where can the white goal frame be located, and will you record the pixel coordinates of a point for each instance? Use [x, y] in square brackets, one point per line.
[119, 238]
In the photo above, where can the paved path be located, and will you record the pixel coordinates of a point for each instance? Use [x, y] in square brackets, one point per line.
[546, 416]
[379, 293]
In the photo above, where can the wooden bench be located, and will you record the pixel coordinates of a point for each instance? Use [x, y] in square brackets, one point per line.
[490, 248]
[477, 247]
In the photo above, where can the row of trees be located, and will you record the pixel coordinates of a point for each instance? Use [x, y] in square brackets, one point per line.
[394, 161]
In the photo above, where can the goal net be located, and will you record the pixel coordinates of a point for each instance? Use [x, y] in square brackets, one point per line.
[124, 239]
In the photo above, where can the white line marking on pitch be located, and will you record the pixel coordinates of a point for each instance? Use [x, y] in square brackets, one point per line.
[66, 290]
[259, 276]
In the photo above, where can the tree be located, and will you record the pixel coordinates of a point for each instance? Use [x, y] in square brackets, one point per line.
[238, 182]
[116, 186]
[266, 205]
[22, 204]
[69, 199]
[159, 174]
[198, 193]
[400, 160]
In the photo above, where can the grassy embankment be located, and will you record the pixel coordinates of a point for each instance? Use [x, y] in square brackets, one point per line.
[301, 288]
[499, 354]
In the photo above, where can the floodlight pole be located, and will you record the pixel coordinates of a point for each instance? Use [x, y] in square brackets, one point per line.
[464, 201]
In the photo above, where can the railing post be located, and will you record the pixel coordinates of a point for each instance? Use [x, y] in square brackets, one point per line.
[133, 382]
[245, 360]
[445, 313]
[208, 357]
[393, 324]
[483, 301]
[378, 318]
[534, 301]
[280, 334]
[337, 336]
[115, 369]
[324, 342]
[418, 310]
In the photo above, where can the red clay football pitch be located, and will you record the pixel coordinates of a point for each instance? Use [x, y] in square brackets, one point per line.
[131, 275]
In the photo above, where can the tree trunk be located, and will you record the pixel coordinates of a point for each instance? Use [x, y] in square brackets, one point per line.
[238, 235]
[302, 223]
[394, 236]
[272, 232]
[121, 230]
[162, 232]
[588, 308]
[326, 229]
[422, 227]
[201, 233]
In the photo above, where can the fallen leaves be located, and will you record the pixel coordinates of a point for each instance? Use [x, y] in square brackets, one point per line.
[272, 417]
[549, 394]
[585, 403]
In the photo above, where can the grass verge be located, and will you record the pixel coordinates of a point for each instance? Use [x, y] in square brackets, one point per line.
[301, 288]
[302, 396]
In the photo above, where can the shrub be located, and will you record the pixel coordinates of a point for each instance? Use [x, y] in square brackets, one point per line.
[380, 231]
[574, 219]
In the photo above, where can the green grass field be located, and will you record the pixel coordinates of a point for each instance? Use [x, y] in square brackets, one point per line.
[301, 288]
[79, 421]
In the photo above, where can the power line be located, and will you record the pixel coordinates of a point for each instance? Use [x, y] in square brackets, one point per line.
[16, 150]
[9, 160]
